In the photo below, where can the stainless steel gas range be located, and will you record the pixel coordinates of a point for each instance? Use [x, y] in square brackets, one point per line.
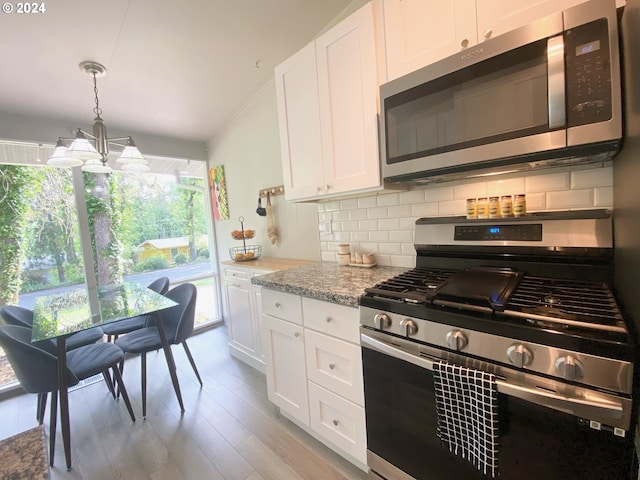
[527, 301]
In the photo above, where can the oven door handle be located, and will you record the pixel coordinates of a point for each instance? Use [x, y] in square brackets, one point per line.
[581, 407]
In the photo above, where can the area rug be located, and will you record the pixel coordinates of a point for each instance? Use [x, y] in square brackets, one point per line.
[24, 456]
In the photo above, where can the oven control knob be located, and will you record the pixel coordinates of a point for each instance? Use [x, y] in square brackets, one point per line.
[456, 340]
[381, 321]
[570, 368]
[519, 355]
[408, 327]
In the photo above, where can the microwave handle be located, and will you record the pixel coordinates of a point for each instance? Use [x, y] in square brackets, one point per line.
[556, 82]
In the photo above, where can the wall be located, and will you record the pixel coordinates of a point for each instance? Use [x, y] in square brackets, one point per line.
[249, 150]
[384, 224]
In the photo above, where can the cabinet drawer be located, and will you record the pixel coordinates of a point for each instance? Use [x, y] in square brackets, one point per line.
[333, 319]
[231, 274]
[282, 305]
[335, 364]
[339, 421]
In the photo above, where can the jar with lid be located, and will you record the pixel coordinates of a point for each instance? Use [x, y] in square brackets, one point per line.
[506, 206]
[472, 208]
[494, 207]
[483, 208]
[520, 205]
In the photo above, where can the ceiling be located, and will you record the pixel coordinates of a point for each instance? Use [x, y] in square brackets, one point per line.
[175, 68]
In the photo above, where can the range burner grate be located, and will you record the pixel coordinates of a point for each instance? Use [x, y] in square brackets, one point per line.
[413, 286]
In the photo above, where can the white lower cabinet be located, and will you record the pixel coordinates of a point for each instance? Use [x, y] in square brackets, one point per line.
[244, 314]
[314, 369]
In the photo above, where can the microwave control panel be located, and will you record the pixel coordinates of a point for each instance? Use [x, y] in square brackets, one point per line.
[588, 73]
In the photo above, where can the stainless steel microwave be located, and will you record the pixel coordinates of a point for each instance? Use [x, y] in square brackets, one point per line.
[546, 94]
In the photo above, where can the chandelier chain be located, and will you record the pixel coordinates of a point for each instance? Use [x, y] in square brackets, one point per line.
[97, 110]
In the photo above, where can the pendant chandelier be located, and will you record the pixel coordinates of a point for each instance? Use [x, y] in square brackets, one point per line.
[91, 151]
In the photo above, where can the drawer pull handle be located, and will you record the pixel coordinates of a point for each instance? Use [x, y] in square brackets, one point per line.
[332, 366]
[297, 334]
[329, 319]
[277, 305]
[336, 422]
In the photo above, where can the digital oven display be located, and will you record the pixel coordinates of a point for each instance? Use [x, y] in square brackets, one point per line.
[519, 233]
[588, 48]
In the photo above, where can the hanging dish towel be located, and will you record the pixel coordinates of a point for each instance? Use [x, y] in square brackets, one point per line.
[272, 230]
[467, 405]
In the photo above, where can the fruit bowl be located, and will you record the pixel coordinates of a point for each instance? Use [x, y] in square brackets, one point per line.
[244, 254]
[242, 234]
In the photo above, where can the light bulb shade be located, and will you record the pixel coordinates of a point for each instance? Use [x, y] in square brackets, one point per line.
[61, 159]
[82, 149]
[131, 154]
[96, 166]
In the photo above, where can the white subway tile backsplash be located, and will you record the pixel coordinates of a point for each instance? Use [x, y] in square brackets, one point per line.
[470, 190]
[389, 224]
[350, 226]
[366, 202]
[438, 194]
[377, 212]
[424, 209]
[401, 236]
[510, 186]
[332, 206]
[408, 223]
[378, 237]
[391, 248]
[367, 225]
[412, 196]
[398, 211]
[570, 199]
[604, 197]
[358, 214]
[385, 224]
[547, 183]
[359, 236]
[599, 177]
[453, 207]
[349, 204]
[536, 202]
[386, 200]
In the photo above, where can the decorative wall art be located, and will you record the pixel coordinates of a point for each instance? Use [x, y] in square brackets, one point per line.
[218, 193]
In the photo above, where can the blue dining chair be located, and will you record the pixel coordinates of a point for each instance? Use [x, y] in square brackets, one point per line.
[178, 322]
[114, 330]
[36, 368]
[16, 315]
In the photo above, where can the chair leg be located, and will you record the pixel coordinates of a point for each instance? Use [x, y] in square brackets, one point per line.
[143, 377]
[193, 364]
[42, 405]
[121, 367]
[109, 382]
[52, 426]
[118, 378]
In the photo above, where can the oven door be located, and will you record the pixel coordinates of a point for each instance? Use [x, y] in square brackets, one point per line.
[536, 442]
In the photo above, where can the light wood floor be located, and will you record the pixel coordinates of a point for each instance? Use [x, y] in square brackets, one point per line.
[230, 431]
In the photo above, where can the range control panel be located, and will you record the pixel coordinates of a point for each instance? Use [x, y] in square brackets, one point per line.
[516, 232]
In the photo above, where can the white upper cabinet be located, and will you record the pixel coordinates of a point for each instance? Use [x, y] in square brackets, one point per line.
[419, 32]
[327, 97]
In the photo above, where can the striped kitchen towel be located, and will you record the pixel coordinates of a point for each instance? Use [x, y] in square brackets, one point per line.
[467, 406]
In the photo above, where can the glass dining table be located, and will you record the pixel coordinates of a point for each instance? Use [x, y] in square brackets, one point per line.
[58, 315]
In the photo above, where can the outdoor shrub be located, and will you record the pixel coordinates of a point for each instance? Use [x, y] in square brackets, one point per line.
[33, 280]
[203, 252]
[180, 259]
[156, 262]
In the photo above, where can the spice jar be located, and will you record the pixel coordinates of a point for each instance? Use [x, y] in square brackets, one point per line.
[483, 208]
[472, 208]
[494, 207]
[506, 206]
[520, 205]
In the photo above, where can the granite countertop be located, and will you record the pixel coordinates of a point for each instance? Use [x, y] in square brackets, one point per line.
[328, 281]
[269, 263]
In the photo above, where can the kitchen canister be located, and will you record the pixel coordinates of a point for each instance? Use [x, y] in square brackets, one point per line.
[472, 208]
[520, 205]
[494, 207]
[506, 206]
[483, 208]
